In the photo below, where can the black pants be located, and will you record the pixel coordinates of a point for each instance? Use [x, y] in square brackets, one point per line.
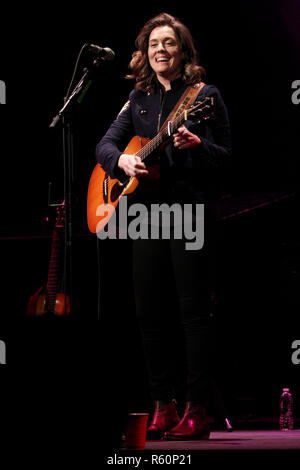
[173, 301]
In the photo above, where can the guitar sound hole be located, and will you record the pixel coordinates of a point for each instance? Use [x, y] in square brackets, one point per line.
[116, 192]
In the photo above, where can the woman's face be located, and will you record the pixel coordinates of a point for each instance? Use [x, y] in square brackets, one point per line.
[164, 52]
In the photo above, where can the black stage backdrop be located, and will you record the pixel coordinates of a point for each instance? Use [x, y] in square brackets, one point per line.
[250, 50]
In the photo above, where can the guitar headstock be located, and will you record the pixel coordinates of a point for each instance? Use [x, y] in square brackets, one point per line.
[202, 110]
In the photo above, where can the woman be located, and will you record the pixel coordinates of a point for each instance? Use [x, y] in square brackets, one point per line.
[172, 284]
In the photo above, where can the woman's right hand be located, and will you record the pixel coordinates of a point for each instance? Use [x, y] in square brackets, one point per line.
[132, 165]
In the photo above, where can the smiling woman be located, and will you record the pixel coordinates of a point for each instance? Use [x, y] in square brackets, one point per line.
[165, 55]
[142, 71]
[172, 287]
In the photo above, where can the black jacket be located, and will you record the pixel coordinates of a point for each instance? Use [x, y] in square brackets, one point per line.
[186, 175]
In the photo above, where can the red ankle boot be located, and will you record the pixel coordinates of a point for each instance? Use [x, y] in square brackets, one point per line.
[194, 425]
[165, 417]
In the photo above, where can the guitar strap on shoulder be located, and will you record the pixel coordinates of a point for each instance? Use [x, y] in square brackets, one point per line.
[185, 101]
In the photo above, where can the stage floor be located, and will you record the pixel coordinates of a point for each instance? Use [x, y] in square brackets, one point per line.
[236, 440]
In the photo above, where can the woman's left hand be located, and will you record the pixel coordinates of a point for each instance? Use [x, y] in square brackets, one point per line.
[184, 139]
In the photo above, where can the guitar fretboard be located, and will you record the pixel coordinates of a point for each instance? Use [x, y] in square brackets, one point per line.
[164, 134]
[53, 272]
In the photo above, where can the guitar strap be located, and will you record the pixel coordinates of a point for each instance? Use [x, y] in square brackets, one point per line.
[185, 101]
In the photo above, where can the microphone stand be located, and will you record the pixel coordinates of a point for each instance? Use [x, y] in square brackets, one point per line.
[64, 115]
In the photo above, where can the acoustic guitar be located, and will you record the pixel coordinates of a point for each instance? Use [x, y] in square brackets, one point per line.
[104, 192]
[47, 301]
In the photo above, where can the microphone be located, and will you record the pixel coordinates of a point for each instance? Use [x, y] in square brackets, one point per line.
[104, 52]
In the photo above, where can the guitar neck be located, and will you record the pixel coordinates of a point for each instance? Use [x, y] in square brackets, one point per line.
[201, 110]
[53, 271]
[163, 136]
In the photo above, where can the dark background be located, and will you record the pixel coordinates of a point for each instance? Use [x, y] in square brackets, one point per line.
[251, 53]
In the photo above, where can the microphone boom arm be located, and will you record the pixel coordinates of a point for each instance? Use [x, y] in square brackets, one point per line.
[83, 82]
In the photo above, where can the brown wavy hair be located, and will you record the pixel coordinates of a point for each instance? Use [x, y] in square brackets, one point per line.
[139, 65]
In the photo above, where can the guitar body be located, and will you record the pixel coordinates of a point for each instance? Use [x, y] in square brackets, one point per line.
[37, 304]
[105, 191]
